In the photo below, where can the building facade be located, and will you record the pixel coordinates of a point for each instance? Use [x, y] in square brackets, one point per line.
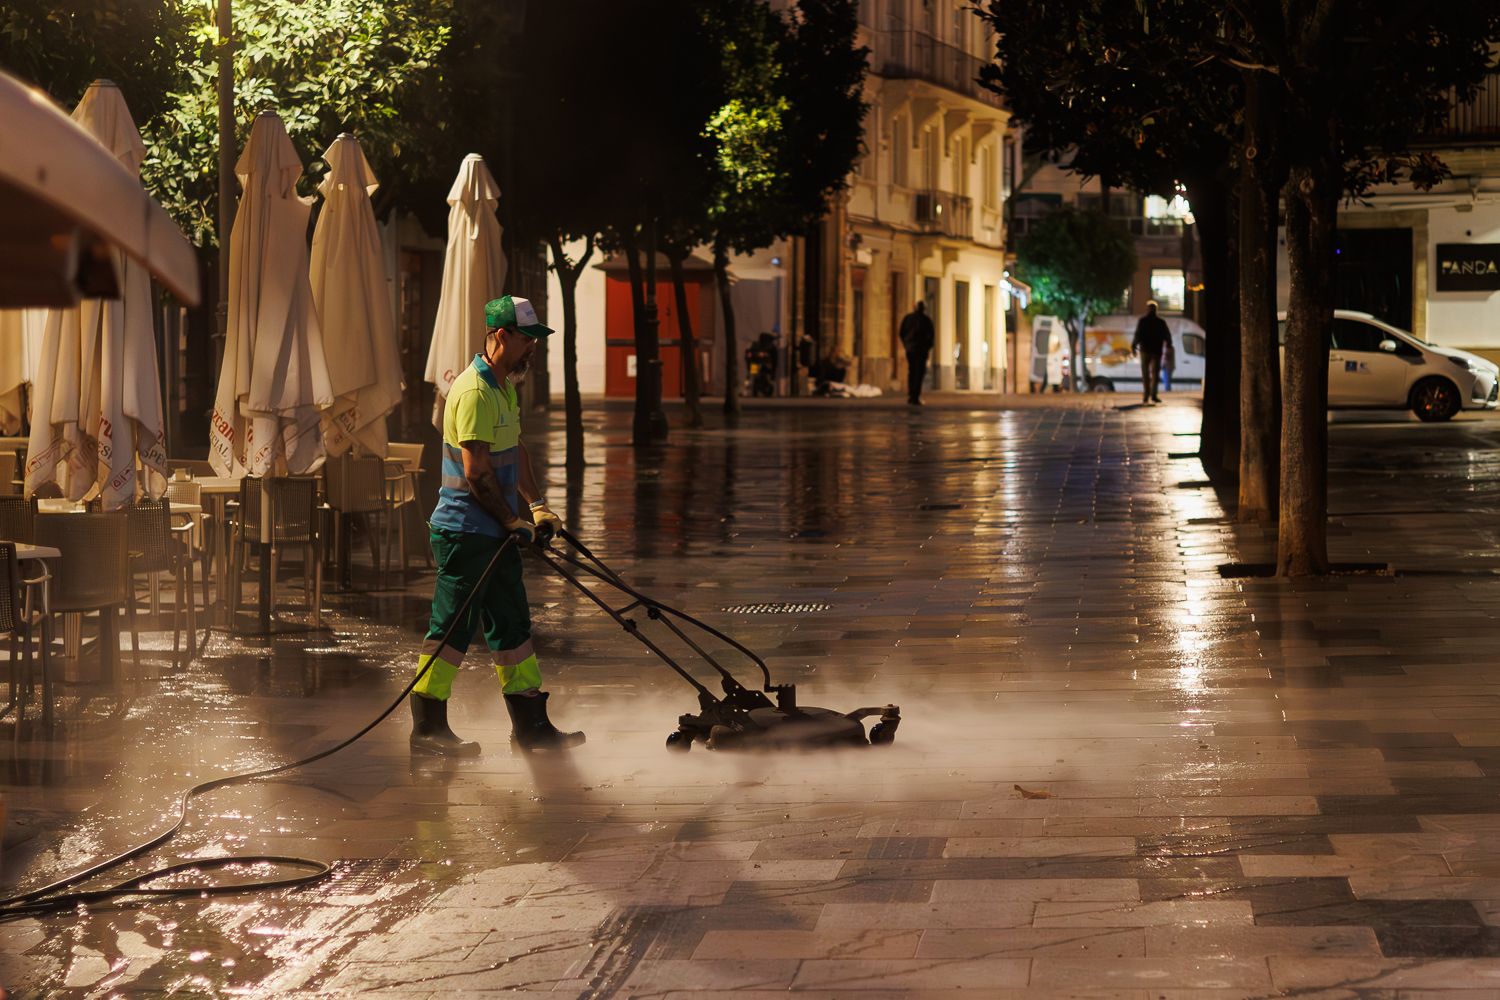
[1169, 265]
[922, 220]
[923, 216]
[1429, 261]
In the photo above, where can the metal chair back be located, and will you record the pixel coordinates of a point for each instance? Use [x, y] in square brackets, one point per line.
[17, 518]
[181, 491]
[294, 509]
[12, 597]
[248, 515]
[8, 485]
[94, 569]
[356, 485]
[149, 536]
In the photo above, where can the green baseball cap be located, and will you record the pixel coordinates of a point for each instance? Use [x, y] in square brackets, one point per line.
[508, 310]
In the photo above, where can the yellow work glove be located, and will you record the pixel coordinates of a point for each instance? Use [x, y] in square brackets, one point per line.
[547, 523]
[524, 531]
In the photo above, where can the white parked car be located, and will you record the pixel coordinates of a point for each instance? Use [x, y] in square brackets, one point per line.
[1373, 365]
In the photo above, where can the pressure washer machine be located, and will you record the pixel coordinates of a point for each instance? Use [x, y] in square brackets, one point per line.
[741, 718]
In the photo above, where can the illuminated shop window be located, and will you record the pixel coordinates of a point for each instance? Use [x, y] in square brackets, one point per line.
[1169, 288]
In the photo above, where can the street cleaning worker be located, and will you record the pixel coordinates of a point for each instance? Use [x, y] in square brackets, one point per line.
[485, 467]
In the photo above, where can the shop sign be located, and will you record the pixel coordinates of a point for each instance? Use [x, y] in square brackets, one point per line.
[1468, 267]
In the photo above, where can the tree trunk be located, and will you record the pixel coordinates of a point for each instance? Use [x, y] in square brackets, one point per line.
[1260, 377]
[1219, 435]
[688, 348]
[731, 342]
[650, 424]
[1312, 192]
[812, 288]
[1076, 372]
[567, 279]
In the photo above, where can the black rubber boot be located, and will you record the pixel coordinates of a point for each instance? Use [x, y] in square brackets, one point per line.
[530, 727]
[430, 732]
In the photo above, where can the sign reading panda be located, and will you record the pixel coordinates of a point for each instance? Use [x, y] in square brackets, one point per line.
[1468, 267]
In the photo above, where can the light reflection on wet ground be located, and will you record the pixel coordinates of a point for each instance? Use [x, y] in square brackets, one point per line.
[1118, 771]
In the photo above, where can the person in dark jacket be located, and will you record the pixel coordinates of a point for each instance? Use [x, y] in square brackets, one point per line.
[1151, 339]
[917, 337]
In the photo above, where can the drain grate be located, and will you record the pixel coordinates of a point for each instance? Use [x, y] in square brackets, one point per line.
[780, 608]
[941, 506]
[364, 876]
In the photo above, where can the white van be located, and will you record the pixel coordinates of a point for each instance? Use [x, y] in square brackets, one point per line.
[1112, 366]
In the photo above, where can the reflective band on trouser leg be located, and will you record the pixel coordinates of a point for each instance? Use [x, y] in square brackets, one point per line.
[460, 559]
[518, 669]
[437, 682]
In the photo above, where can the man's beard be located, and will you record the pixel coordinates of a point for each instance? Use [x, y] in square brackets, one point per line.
[518, 373]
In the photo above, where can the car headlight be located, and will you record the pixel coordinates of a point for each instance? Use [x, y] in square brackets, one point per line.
[1461, 362]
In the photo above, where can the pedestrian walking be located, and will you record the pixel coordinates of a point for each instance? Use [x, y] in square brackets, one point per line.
[1151, 338]
[1168, 365]
[485, 470]
[917, 337]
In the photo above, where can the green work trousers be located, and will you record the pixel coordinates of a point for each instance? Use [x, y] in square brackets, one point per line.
[500, 608]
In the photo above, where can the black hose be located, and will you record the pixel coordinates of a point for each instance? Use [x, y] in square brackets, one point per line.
[42, 901]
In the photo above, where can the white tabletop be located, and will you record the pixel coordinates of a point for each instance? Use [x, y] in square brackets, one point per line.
[24, 551]
[59, 506]
[218, 485]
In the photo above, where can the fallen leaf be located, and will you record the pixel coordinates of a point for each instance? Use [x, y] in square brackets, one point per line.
[1028, 793]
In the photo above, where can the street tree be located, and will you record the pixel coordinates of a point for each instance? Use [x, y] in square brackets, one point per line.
[342, 66]
[787, 133]
[666, 87]
[1078, 263]
[1117, 96]
[1358, 81]
[561, 166]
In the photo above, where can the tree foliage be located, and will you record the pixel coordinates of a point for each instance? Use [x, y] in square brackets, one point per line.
[325, 68]
[1078, 263]
[62, 48]
[791, 122]
[1115, 95]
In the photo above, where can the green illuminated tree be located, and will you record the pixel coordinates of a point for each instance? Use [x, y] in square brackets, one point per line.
[326, 68]
[1078, 263]
[786, 136]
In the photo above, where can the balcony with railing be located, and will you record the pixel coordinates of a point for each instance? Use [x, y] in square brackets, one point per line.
[944, 212]
[905, 54]
[1475, 122]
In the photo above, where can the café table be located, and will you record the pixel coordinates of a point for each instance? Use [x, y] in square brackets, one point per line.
[216, 492]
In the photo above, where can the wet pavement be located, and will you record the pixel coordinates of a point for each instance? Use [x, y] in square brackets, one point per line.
[1119, 774]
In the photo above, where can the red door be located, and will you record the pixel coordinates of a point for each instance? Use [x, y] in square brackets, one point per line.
[619, 333]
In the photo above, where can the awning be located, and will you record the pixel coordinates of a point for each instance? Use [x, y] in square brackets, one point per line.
[67, 202]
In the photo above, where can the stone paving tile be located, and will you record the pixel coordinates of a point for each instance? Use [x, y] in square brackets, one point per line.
[1119, 774]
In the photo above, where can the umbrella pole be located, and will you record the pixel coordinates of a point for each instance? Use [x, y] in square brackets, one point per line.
[265, 554]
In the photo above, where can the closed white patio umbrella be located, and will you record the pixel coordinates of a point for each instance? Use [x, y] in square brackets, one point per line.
[97, 425]
[473, 273]
[20, 345]
[354, 305]
[273, 387]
